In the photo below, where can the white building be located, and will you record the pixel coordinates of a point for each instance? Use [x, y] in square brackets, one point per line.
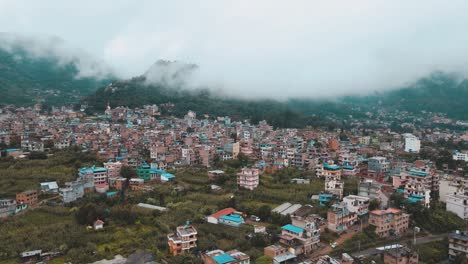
[460, 156]
[248, 178]
[412, 143]
[357, 204]
[458, 204]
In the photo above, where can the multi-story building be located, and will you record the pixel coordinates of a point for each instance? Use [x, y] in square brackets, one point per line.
[72, 191]
[401, 255]
[390, 221]
[340, 218]
[182, 240]
[412, 143]
[218, 256]
[248, 178]
[113, 168]
[329, 171]
[458, 203]
[458, 245]
[334, 187]
[7, 207]
[378, 165]
[32, 145]
[419, 183]
[460, 156]
[98, 174]
[357, 204]
[370, 189]
[300, 240]
[27, 197]
[279, 254]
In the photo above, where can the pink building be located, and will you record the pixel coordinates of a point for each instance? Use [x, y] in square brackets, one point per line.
[248, 178]
[113, 168]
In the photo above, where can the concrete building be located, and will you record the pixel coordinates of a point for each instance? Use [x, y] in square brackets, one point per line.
[248, 178]
[72, 191]
[412, 143]
[401, 255]
[98, 174]
[389, 221]
[419, 183]
[458, 203]
[357, 204]
[299, 240]
[378, 165]
[458, 245]
[279, 254]
[113, 168]
[7, 207]
[27, 197]
[218, 256]
[460, 156]
[182, 240]
[340, 218]
[32, 145]
[329, 171]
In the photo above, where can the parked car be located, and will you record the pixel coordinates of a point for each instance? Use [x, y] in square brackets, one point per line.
[333, 244]
[255, 218]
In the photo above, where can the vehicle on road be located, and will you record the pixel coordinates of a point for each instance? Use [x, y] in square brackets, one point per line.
[255, 218]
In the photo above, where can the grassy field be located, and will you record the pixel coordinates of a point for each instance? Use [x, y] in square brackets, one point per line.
[20, 175]
[189, 197]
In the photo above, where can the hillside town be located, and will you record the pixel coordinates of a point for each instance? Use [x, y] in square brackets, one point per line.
[371, 181]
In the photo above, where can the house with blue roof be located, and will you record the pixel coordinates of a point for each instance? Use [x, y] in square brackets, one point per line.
[324, 198]
[299, 237]
[235, 220]
[218, 256]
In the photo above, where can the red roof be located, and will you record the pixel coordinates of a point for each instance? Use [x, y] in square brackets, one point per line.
[388, 211]
[225, 211]
[99, 222]
[100, 185]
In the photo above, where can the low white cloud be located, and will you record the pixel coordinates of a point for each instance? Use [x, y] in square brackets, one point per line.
[262, 48]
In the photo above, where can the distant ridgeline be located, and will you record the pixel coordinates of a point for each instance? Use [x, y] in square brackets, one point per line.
[437, 93]
[26, 80]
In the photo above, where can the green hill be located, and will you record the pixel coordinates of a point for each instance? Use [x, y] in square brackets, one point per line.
[26, 79]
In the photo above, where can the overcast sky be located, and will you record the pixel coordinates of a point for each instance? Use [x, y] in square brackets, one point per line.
[261, 48]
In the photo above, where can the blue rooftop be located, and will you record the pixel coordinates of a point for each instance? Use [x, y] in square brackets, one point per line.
[293, 229]
[233, 218]
[330, 167]
[223, 258]
[92, 169]
[12, 150]
[155, 170]
[418, 173]
[168, 176]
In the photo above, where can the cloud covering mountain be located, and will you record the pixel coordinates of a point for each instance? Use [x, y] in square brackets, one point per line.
[261, 48]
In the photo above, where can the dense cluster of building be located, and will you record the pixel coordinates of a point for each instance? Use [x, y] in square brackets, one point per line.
[153, 146]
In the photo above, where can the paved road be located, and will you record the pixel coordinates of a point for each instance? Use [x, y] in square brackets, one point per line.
[419, 241]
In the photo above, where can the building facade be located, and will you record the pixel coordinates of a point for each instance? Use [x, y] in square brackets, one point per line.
[388, 222]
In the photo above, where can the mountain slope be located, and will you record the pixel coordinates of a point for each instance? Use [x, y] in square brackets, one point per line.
[439, 92]
[26, 78]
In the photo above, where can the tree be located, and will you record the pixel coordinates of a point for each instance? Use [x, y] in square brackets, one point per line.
[397, 200]
[264, 212]
[374, 204]
[128, 173]
[263, 260]
[461, 258]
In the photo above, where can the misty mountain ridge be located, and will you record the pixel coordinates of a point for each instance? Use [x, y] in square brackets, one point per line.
[166, 82]
[55, 76]
[32, 73]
